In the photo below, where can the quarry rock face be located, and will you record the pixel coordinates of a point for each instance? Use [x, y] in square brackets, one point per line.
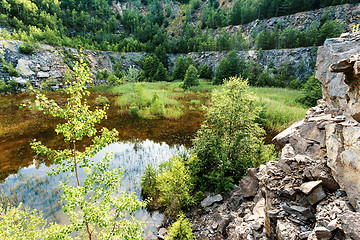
[335, 90]
[52, 63]
[312, 191]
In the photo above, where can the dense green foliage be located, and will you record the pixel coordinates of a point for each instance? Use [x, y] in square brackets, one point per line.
[95, 25]
[311, 92]
[27, 48]
[191, 78]
[247, 11]
[282, 76]
[229, 141]
[229, 66]
[292, 38]
[8, 87]
[180, 230]
[168, 187]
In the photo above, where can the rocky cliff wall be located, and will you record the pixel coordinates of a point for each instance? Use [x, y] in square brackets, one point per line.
[301, 60]
[52, 62]
[313, 190]
[348, 14]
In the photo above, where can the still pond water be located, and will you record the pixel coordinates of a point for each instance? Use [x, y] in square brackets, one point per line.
[24, 177]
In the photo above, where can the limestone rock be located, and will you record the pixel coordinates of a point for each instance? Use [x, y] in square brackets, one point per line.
[162, 232]
[322, 233]
[316, 195]
[333, 84]
[43, 74]
[249, 184]
[23, 68]
[350, 222]
[283, 138]
[308, 187]
[286, 230]
[211, 199]
[343, 158]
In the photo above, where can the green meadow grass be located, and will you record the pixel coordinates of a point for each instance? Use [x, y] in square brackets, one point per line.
[170, 94]
[280, 109]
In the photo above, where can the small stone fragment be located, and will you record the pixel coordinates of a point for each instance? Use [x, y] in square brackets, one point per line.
[317, 195]
[210, 200]
[309, 186]
[322, 233]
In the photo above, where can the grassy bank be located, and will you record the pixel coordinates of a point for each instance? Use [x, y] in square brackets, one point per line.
[280, 109]
[159, 99]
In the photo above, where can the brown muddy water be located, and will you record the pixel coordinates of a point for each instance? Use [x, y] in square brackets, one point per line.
[24, 177]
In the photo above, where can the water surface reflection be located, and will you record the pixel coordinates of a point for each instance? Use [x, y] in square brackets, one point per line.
[36, 190]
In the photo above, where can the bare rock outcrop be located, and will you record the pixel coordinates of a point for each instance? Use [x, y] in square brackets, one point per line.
[335, 90]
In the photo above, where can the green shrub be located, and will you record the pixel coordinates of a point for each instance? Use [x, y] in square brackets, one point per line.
[205, 72]
[101, 100]
[148, 183]
[157, 107]
[228, 67]
[134, 111]
[27, 48]
[9, 68]
[175, 186]
[180, 230]
[48, 83]
[114, 80]
[311, 92]
[172, 187]
[191, 78]
[9, 87]
[199, 196]
[229, 141]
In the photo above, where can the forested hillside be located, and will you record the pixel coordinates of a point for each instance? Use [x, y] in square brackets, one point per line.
[180, 26]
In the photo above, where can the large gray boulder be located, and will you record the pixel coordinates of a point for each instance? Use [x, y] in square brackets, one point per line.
[333, 85]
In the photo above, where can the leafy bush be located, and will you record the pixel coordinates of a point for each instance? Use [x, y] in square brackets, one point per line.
[191, 78]
[311, 92]
[148, 183]
[134, 111]
[229, 141]
[21, 223]
[114, 80]
[180, 230]
[9, 68]
[132, 75]
[48, 83]
[161, 73]
[205, 72]
[157, 107]
[101, 100]
[9, 87]
[199, 196]
[228, 67]
[27, 48]
[172, 186]
[181, 66]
